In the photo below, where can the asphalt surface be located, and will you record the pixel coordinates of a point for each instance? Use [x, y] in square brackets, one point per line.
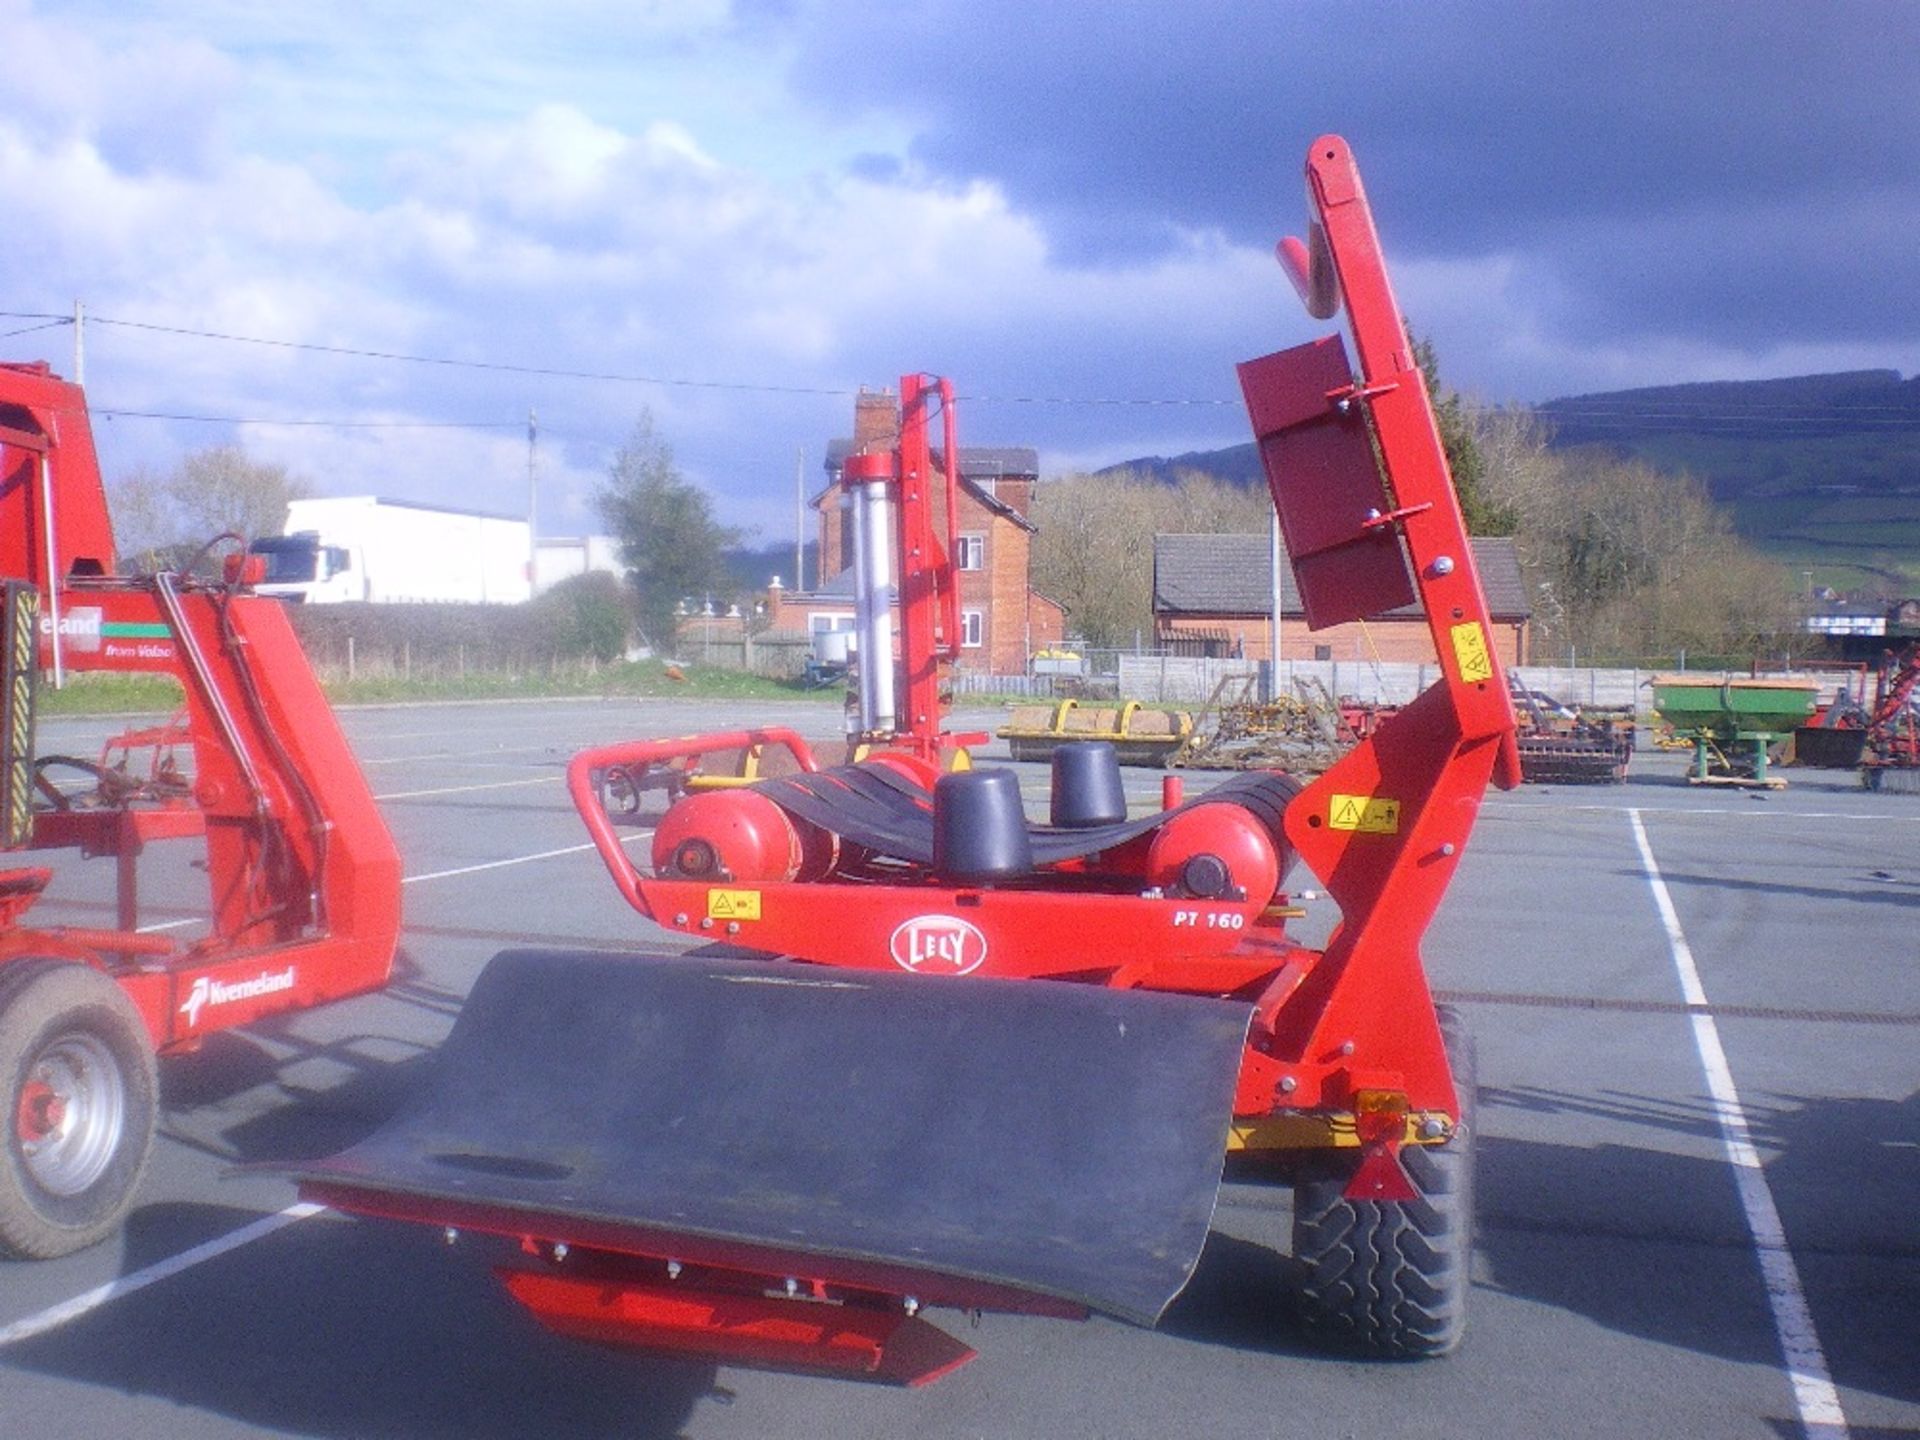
[1619, 1287]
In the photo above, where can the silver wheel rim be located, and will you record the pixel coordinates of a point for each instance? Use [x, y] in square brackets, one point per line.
[72, 1114]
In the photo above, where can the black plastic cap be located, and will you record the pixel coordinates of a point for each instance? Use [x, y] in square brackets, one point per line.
[1086, 785]
[979, 829]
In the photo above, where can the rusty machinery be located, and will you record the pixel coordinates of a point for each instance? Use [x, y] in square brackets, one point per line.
[303, 879]
[869, 1101]
[1570, 745]
[1893, 725]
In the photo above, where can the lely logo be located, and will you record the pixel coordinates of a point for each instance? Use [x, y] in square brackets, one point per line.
[938, 945]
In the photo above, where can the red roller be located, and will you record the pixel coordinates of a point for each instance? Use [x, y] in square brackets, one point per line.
[739, 835]
[1211, 851]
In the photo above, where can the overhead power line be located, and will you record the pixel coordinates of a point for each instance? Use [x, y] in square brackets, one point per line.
[317, 423]
[1752, 411]
[499, 366]
[28, 330]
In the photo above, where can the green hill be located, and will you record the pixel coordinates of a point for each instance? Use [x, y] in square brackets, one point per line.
[1822, 472]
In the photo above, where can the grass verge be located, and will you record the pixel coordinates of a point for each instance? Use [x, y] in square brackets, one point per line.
[91, 693]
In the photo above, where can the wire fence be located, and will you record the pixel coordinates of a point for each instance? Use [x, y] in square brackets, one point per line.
[1192, 680]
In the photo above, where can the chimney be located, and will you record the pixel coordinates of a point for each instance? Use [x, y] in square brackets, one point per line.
[876, 421]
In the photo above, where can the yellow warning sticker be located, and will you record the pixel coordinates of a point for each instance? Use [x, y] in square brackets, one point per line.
[1470, 649]
[733, 904]
[1368, 814]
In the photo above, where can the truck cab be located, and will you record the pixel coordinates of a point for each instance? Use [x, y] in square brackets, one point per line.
[301, 568]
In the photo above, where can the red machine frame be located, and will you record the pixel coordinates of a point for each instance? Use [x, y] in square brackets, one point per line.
[1382, 830]
[1345, 1052]
[304, 879]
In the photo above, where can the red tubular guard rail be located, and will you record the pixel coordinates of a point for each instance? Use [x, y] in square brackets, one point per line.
[583, 787]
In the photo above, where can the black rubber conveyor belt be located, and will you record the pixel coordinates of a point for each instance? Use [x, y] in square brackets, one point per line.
[886, 812]
[1059, 1139]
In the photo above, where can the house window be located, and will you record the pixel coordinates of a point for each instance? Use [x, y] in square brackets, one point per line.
[970, 552]
[973, 629]
[819, 624]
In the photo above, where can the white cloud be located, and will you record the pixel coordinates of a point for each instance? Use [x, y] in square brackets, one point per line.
[321, 193]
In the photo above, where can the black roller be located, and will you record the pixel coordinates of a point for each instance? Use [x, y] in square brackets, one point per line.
[1086, 785]
[979, 829]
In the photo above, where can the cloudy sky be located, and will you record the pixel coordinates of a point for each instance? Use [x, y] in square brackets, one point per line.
[734, 215]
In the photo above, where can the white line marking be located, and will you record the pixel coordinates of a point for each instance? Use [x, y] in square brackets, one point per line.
[463, 789]
[58, 1315]
[458, 754]
[517, 859]
[73, 1309]
[1512, 811]
[1821, 1417]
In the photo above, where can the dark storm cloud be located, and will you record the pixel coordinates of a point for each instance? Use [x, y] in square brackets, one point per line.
[1739, 174]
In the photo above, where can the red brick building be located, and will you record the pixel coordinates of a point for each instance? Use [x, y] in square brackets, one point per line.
[1003, 619]
[1213, 595]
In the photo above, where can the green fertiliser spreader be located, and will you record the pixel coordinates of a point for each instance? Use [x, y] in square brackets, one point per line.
[1730, 723]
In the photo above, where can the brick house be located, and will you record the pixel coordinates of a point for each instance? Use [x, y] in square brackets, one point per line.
[1213, 595]
[1003, 619]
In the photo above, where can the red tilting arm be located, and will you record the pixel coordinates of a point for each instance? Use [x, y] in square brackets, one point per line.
[1384, 828]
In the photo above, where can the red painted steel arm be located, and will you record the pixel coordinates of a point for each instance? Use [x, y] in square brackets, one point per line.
[1384, 828]
[950, 575]
[1426, 503]
[582, 785]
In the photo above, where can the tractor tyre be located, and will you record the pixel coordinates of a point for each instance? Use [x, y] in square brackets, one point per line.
[1390, 1278]
[80, 1086]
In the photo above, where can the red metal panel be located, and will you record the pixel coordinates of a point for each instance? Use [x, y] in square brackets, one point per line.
[1410, 448]
[42, 415]
[1326, 483]
[859, 1341]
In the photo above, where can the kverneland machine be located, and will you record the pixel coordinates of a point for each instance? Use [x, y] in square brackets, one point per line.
[944, 1057]
[303, 897]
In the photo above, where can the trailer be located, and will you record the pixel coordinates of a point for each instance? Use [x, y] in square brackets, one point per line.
[1140, 734]
[303, 881]
[362, 548]
[950, 1057]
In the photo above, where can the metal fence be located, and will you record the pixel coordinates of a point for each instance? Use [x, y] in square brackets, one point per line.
[779, 655]
[1189, 680]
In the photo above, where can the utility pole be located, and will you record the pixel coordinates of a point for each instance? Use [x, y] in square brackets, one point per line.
[79, 343]
[533, 496]
[1273, 547]
[800, 520]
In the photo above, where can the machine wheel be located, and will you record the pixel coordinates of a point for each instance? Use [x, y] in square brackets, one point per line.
[80, 1094]
[1388, 1278]
[619, 796]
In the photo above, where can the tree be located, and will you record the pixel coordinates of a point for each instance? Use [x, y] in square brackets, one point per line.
[1094, 549]
[162, 520]
[667, 531]
[585, 615]
[1626, 560]
[1483, 514]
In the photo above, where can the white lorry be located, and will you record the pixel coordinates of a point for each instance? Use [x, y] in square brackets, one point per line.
[359, 547]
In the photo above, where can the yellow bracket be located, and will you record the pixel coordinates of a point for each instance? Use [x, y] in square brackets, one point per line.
[1325, 1130]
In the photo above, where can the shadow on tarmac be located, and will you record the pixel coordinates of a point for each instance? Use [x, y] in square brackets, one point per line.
[359, 1329]
[1652, 1243]
[1640, 1239]
[360, 1332]
[1870, 890]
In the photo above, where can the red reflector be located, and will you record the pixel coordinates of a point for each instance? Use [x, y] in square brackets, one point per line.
[1381, 1176]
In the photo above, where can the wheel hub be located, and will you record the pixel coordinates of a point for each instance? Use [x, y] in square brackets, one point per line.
[42, 1111]
[71, 1114]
